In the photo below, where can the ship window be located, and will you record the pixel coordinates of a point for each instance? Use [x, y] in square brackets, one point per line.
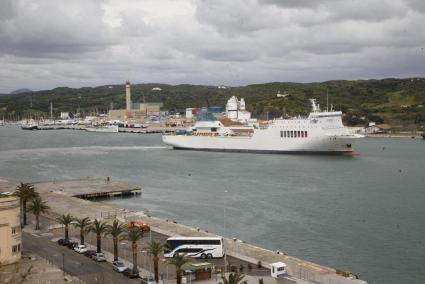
[284, 134]
[302, 134]
[306, 134]
[292, 133]
[295, 134]
[281, 134]
[299, 133]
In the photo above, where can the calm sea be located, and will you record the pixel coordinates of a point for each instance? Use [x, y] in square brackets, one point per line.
[364, 214]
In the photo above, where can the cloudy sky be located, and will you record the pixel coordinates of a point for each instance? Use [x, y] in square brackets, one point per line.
[49, 43]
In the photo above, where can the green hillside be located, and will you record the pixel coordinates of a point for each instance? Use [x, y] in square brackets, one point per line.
[399, 102]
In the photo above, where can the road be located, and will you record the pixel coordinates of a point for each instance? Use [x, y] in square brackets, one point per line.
[77, 265]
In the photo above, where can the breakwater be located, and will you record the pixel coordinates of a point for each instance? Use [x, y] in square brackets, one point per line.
[147, 130]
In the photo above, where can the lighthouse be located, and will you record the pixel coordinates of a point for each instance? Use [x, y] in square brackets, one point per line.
[128, 96]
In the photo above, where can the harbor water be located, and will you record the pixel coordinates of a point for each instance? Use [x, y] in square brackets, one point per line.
[361, 214]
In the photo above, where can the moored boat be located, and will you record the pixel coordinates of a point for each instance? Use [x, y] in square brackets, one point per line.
[103, 129]
[31, 125]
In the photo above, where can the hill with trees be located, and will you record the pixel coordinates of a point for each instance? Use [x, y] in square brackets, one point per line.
[399, 102]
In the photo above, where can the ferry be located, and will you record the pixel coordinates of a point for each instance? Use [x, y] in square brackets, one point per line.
[322, 132]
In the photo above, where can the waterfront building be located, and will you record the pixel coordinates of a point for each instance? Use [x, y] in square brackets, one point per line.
[10, 230]
[189, 112]
[235, 109]
[64, 115]
[134, 111]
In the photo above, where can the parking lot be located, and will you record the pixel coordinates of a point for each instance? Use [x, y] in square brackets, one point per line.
[73, 263]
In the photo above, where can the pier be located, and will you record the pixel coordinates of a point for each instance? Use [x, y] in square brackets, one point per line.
[147, 130]
[70, 196]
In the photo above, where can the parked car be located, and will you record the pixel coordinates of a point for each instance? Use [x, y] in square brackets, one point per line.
[80, 248]
[72, 244]
[130, 274]
[99, 257]
[147, 280]
[119, 266]
[90, 253]
[63, 242]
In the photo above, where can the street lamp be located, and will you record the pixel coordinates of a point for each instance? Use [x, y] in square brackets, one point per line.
[149, 270]
[63, 263]
[224, 232]
[123, 250]
[166, 268]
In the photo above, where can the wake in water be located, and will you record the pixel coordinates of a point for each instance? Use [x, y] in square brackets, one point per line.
[87, 150]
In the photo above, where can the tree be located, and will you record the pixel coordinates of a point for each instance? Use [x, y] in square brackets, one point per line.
[25, 192]
[234, 278]
[115, 230]
[82, 224]
[65, 220]
[36, 207]
[178, 261]
[155, 248]
[133, 235]
[98, 227]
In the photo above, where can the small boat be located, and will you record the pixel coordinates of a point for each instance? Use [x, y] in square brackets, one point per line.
[103, 129]
[30, 126]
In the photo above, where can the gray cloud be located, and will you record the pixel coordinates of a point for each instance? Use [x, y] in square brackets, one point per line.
[8, 10]
[45, 43]
[44, 28]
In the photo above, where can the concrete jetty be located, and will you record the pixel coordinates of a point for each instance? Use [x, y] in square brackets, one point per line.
[147, 130]
[62, 198]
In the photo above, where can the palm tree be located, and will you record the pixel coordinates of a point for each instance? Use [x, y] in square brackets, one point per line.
[178, 261]
[115, 230]
[38, 206]
[155, 249]
[234, 278]
[25, 192]
[98, 227]
[65, 220]
[82, 224]
[133, 235]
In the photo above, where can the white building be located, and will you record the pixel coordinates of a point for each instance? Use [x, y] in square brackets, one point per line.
[236, 109]
[64, 115]
[277, 269]
[156, 89]
[189, 113]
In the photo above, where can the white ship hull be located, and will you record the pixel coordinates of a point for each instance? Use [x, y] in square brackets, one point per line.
[261, 143]
[105, 129]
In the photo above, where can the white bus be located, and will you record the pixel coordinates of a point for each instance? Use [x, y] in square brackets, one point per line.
[198, 247]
